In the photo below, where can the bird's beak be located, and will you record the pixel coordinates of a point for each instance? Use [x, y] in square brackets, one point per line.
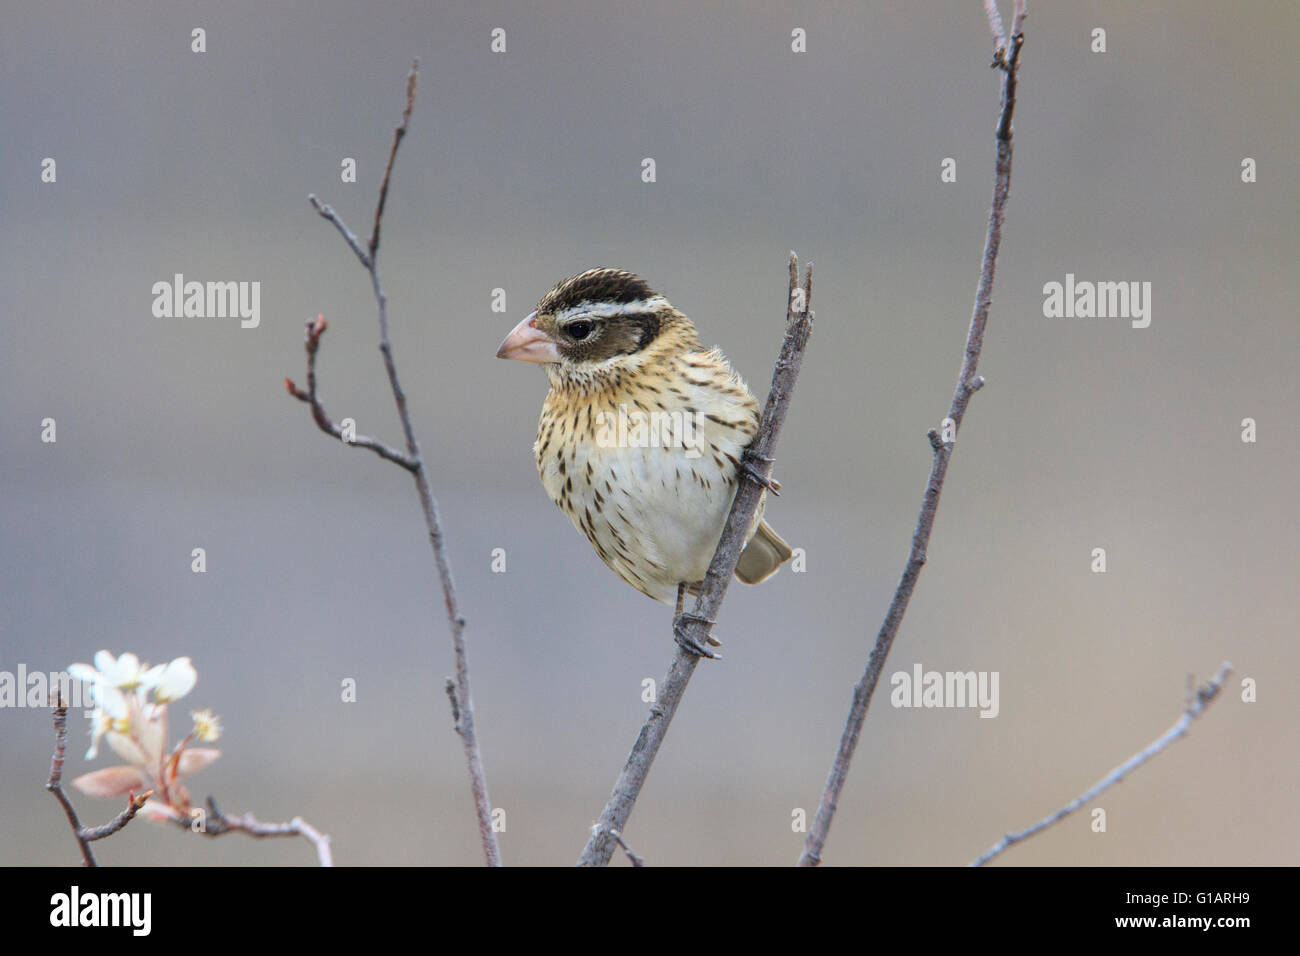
[527, 343]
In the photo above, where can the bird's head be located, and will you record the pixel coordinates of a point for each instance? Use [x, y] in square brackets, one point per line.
[596, 324]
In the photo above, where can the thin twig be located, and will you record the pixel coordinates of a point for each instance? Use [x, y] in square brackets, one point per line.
[326, 211]
[414, 463]
[693, 631]
[315, 329]
[55, 783]
[134, 804]
[412, 80]
[995, 24]
[1195, 707]
[968, 383]
[84, 835]
[618, 838]
[450, 688]
[218, 824]
[1018, 17]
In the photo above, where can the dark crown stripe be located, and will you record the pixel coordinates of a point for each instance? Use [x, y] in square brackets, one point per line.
[596, 285]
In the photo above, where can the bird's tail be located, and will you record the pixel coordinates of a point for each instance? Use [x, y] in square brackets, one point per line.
[762, 556]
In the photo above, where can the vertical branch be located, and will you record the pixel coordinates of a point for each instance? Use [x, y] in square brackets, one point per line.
[692, 632]
[84, 835]
[462, 702]
[1007, 60]
[995, 24]
[412, 81]
[55, 783]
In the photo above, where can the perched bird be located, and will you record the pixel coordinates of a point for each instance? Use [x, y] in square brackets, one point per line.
[644, 432]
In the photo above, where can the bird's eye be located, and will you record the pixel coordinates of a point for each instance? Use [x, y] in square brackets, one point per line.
[579, 330]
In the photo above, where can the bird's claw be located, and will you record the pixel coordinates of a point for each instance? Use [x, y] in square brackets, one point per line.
[694, 647]
[688, 642]
[751, 464]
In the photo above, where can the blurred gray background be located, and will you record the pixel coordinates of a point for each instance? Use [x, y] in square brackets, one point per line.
[524, 167]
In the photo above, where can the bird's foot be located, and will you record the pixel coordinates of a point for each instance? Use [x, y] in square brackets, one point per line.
[753, 465]
[683, 638]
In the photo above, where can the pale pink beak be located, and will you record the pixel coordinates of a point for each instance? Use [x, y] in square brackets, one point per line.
[527, 343]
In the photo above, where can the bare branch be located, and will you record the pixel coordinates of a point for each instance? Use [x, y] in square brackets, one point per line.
[84, 835]
[995, 24]
[968, 382]
[327, 212]
[135, 802]
[315, 329]
[463, 705]
[1195, 707]
[450, 688]
[55, 783]
[1018, 18]
[635, 860]
[218, 824]
[1000, 37]
[412, 80]
[692, 631]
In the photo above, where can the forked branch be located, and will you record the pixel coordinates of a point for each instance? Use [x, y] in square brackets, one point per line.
[84, 835]
[412, 461]
[216, 823]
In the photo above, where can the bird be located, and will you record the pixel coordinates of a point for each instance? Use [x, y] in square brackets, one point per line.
[644, 435]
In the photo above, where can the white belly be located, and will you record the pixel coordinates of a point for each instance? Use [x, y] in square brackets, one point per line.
[654, 514]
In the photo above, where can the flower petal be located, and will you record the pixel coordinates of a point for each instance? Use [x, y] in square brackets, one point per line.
[126, 747]
[177, 680]
[110, 700]
[195, 759]
[159, 812]
[125, 671]
[110, 782]
[84, 672]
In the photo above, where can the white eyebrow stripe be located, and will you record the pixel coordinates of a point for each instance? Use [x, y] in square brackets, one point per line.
[605, 310]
